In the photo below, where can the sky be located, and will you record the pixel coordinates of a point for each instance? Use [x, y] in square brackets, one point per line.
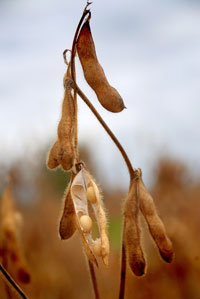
[150, 52]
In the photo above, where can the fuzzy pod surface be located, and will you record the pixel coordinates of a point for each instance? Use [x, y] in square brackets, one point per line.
[132, 231]
[94, 74]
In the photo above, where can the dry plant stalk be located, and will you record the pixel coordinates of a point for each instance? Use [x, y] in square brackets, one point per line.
[11, 285]
[82, 190]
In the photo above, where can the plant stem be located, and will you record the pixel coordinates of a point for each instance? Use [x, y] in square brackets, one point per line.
[123, 269]
[73, 52]
[105, 126]
[11, 283]
[73, 74]
[94, 280]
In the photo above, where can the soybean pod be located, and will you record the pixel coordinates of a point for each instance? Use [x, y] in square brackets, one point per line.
[94, 74]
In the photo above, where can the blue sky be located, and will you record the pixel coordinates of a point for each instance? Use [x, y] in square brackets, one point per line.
[150, 52]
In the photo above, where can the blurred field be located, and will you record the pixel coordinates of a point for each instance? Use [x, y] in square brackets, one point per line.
[59, 269]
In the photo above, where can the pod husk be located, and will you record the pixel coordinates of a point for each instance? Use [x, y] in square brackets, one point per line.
[68, 225]
[94, 74]
[155, 224]
[63, 151]
[132, 231]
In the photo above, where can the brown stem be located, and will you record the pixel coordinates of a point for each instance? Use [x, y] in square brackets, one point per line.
[94, 280]
[123, 270]
[11, 283]
[73, 74]
[107, 129]
[85, 12]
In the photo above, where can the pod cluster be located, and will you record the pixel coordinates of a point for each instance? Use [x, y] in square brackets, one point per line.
[82, 190]
[138, 199]
[82, 193]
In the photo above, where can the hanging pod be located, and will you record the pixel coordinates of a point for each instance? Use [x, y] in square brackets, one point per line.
[94, 74]
[63, 152]
[132, 236]
[80, 197]
[155, 224]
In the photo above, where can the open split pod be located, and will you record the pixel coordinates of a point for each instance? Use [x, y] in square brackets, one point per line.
[84, 192]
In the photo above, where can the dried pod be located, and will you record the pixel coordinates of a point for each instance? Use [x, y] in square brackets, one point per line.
[52, 158]
[93, 72]
[78, 193]
[79, 187]
[101, 219]
[63, 152]
[68, 220]
[12, 257]
[132, 231]
[66, 132]
[155, 224]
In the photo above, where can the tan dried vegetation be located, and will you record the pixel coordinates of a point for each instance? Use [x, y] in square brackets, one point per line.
[11, 256]
[83, 194]
[58, 269]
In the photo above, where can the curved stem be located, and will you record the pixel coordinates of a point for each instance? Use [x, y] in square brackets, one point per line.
[73, 74]
[85, 12]
[107, 129]
[11, 283]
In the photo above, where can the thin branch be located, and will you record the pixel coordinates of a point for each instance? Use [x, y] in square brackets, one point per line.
[107, 129]
[94, 280]
[11, 283]
[73, 74]
[73, 53]
[123, 270]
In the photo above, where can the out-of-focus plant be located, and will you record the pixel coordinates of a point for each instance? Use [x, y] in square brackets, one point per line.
[11, 256]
